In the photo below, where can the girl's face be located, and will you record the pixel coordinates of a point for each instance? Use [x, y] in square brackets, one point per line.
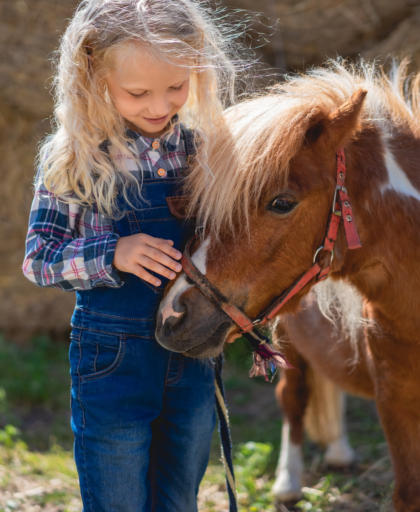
[145, 92]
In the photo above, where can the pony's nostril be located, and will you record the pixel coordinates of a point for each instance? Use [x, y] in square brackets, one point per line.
[168, 311]
[174, 321]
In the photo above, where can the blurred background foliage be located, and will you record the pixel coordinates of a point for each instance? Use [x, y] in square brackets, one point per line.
[36, 468]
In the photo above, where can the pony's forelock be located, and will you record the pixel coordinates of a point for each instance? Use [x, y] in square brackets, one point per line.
[252, 151]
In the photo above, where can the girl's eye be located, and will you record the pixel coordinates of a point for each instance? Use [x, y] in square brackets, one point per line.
[283, 204]
[137, 95]
[178, 88]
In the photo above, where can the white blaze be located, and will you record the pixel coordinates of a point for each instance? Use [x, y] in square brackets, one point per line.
[200, 256]
[167, 307]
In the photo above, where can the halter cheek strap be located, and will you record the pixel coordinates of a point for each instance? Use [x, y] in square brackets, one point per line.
[211, 292]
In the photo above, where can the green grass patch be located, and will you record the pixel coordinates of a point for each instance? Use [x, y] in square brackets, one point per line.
[36, 440]
[36, 375]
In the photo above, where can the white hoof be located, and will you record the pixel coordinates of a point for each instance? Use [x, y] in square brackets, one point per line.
[287, 487]
[339, 453]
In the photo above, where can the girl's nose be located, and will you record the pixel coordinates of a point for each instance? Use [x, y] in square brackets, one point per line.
[159, 107]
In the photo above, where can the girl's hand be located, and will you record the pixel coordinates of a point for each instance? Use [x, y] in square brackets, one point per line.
[135, 253]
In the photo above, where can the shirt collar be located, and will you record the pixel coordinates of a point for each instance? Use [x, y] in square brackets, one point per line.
[170, 139]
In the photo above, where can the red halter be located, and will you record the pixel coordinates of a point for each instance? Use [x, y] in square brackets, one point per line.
[341, 210]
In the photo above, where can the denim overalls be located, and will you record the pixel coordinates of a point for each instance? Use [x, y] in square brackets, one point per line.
[142, 416]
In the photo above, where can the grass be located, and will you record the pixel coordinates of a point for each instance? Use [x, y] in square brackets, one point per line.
[36, 381]
[37, 471]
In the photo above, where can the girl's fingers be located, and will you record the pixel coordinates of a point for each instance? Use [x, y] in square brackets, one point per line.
[163, 246]
[143, 274]
[160, 257]
[152, 264]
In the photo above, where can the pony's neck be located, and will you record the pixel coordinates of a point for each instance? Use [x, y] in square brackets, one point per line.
[384, 188]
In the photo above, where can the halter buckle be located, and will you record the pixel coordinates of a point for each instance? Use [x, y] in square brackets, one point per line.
[338, 188]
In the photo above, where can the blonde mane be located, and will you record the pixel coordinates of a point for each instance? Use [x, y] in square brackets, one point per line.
[253, 150]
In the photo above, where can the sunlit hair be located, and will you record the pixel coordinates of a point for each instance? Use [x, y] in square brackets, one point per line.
[74, 166]
[261, 136]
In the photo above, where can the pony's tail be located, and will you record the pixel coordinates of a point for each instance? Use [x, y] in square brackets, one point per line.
[325, 411]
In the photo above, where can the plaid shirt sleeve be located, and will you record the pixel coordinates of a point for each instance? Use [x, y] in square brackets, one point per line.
[58, 251]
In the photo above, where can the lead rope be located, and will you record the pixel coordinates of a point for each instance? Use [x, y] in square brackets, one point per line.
[224, 432]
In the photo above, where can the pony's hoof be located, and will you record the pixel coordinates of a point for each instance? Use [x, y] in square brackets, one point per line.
[286, 488]
[340, 454]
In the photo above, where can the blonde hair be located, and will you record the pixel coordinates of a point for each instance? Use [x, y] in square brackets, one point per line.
[73, 164]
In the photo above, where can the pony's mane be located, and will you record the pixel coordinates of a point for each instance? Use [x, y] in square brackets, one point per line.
[342, 305]
[253, 149]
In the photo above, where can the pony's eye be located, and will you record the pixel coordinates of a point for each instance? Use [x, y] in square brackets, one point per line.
[283, 204]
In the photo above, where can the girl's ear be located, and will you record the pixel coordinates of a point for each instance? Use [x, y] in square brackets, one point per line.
[333, 131]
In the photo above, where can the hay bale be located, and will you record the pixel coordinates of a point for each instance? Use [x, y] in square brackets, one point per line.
[25, 308]
[403, 41]
[30, 31]
[312, 30]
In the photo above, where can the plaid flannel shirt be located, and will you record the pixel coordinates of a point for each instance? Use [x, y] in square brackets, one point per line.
[71, 247]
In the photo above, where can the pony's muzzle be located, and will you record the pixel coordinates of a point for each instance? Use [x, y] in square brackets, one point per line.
[188, 322]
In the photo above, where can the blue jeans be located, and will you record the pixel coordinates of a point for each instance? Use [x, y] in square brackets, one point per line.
[143, 419]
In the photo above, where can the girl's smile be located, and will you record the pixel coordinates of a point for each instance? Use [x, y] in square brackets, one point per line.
[146, 92]
[158, 120]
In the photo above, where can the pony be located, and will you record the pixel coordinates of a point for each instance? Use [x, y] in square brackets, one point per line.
[263, 217]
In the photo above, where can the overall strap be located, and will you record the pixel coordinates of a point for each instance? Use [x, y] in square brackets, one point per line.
[224, 433]
[190, 147]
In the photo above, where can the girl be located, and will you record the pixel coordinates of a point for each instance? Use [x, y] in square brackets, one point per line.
[132, 75]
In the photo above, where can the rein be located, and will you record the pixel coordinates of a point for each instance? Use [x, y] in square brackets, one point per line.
[264, 354]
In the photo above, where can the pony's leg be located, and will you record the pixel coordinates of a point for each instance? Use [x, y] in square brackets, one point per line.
[325, 419]
[310, 401]
[292, 394]
[397, 388]
[339, 453]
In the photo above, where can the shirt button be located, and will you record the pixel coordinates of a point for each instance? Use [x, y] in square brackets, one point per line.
[155, 144]
[161, 172]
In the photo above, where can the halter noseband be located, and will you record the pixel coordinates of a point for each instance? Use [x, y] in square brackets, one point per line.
[341, 211]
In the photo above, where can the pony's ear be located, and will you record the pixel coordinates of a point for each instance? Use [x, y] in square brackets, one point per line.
[336, 129]
[345, 120]
[317, 126]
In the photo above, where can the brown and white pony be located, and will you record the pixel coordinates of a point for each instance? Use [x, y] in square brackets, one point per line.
[264, 213]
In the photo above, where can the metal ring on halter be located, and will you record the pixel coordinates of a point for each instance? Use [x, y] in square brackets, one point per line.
[319, 250]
